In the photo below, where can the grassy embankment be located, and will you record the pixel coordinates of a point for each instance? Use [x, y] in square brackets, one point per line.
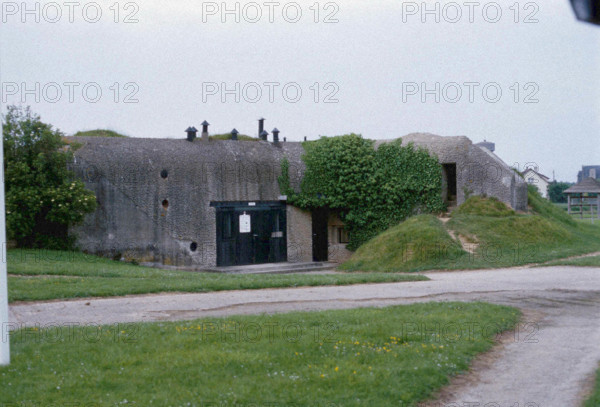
[44, 275]
[98, 133]
[375, 357]
[482, 233]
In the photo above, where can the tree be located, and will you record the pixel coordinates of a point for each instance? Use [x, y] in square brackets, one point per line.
[43, 198]
[556, 191]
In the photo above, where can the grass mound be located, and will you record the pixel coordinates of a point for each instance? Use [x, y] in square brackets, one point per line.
[500, 238]
[477, 205]
[546, 209]
[227, 136]
[98, 133]
[419, 243]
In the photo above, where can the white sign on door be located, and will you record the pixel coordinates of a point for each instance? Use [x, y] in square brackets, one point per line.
[245, 225]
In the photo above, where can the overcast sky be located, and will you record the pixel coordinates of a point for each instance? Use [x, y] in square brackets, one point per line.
[380, 65]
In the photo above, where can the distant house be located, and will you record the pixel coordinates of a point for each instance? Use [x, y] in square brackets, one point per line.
[589, 171]
[540, 181]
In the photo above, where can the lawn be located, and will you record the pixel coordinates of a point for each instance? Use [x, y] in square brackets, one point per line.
[45, 275]
[594, 400]
[362, 357]
[492, 236]
[593, 261]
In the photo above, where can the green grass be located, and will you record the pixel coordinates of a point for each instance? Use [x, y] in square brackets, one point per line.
[481, 206]
[420, 243]
[98, 133]
[45, 275]
[498, 237]
[227, 136]
[593, 261]
[359, 357]
[594, 400]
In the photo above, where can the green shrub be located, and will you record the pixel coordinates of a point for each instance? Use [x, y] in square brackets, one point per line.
[42, 198]
[370, 189]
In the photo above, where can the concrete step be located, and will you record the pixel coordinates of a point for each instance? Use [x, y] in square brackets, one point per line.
[275, 268]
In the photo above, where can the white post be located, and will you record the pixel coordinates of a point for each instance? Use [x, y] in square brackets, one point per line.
[4, 340]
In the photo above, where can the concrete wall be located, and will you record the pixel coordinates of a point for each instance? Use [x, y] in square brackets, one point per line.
[478, 170]
[149, 217]
[337, 251]
[131, 220]
[299, 235]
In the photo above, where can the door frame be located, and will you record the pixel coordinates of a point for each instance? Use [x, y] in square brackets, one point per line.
[246, 250]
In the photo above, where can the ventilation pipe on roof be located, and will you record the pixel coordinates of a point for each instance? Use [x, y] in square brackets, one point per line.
[261, 126]
[234, 134]
[275, 136]
[205, 125]
[191, 133]
[263, 135]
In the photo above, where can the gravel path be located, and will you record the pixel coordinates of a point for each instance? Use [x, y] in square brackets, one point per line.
[548, 363]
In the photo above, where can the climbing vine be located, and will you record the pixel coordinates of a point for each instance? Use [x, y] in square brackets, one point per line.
[371, 189]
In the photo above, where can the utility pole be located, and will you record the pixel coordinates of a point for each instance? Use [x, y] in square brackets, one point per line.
[4, 340]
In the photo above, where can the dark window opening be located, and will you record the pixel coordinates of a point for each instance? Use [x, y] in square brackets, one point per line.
[194, 246]
[164, 173]
[343, 236]
[165, 204]
[449, 174]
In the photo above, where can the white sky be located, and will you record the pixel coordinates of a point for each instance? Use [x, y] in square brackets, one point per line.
[171, 54]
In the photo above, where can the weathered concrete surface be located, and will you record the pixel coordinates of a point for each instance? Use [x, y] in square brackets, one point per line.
[478, 170]
[154, 195]
[550, 372]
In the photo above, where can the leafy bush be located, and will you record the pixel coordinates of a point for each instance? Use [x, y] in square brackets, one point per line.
[370, 189]
[42, 198]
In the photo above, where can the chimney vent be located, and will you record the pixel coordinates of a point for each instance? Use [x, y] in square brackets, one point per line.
[191, 133]
[234, 134]
[263, 135]
[275, 135]
[261, 126]
[205, 125]
[304, 138]
[284, 139]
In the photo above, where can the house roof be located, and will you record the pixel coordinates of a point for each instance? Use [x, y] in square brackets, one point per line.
[537, 173]
[589, 185]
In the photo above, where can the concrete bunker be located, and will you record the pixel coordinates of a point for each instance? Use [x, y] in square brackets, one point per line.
[201, 204]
